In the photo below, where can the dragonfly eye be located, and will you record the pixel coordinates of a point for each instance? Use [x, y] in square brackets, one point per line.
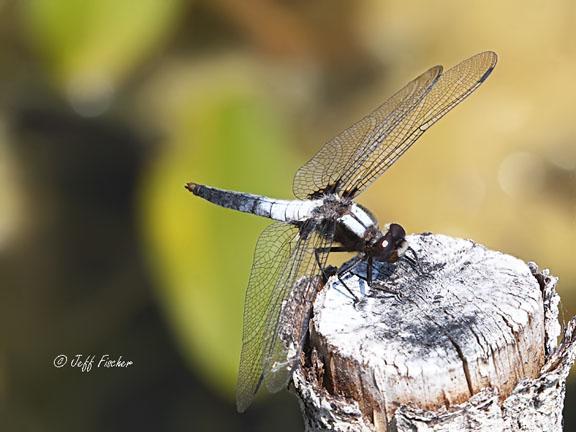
[396, 232]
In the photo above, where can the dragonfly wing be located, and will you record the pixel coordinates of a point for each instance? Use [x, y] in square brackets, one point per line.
[379, 152]
[273, 251]
[334, 159]
[350, 162]
[303, 281]
[280, 258]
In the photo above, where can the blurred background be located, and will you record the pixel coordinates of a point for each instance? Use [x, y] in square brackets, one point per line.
[108, 107]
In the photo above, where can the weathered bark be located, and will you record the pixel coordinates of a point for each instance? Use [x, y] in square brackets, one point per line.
[465, 340]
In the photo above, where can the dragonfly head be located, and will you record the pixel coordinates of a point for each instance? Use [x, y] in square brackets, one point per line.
[392, 245]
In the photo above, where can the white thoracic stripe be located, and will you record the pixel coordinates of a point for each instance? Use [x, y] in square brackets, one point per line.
[353, 225]
[361, 215]
[357, 220]
[287, 211]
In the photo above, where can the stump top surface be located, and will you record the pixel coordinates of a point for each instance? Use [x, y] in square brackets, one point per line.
[465, 318]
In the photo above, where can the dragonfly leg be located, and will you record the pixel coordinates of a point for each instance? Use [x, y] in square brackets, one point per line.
[413, 262]
[411, 249]
[333, 249]
[376, 285]
[340, 271]
[356, 299]
[369, 270]
[326, 271]
[348, 267]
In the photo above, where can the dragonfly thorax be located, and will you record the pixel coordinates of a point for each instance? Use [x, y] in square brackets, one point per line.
[358, 230]
[359, 221]
[333, 207]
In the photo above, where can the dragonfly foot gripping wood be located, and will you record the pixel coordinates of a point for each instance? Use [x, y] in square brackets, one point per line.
[464, 341]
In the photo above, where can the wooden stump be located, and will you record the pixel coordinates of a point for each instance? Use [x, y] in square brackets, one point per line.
[461, 341]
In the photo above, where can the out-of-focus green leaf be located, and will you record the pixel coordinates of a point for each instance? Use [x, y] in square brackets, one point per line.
[228, 135]
[97, 40]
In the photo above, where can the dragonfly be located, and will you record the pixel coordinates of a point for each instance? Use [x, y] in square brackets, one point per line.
[291, 253]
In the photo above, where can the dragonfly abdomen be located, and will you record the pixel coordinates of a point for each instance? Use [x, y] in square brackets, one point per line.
[280, 210]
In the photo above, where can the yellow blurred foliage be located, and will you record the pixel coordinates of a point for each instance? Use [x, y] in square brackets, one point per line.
[227, 134]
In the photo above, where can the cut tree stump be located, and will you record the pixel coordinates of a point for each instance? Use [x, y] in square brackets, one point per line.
[465, 340]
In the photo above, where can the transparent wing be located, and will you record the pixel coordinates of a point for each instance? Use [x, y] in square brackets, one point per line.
[281, 257]
[303, 281]
[452, 87]
[381, 146]
[273, 250]
[335, 158]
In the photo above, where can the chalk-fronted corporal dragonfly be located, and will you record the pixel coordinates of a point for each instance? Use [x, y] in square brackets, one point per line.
[324, 218]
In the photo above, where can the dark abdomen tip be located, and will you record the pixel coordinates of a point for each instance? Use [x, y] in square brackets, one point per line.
[192, 187]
